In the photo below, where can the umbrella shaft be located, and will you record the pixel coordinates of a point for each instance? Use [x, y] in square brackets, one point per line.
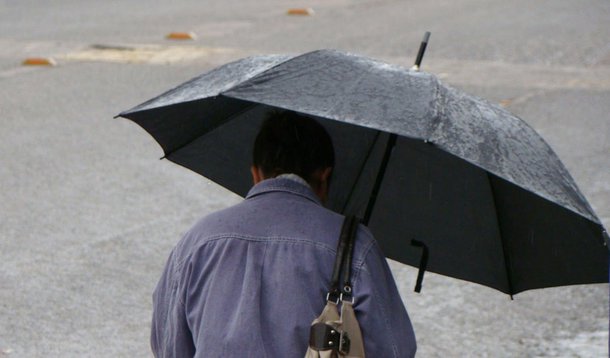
[379, 179]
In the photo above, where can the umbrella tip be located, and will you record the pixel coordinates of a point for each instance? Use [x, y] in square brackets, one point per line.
[422, 50]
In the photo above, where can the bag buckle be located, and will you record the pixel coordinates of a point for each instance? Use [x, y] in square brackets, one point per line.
[333, 297]
[324, 337]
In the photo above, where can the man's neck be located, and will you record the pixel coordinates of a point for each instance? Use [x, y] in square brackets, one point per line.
[294, 177]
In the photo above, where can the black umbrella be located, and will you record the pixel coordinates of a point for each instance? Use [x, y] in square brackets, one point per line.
[474, 185]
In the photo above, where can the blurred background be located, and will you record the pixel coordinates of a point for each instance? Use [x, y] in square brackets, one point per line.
[88, 214]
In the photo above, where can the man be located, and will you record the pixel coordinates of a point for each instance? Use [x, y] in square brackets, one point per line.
[248, 281]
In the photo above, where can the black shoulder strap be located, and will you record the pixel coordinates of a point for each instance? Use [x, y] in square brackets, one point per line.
[343, 260]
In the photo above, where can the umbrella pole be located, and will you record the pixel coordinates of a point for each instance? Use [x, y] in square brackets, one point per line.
[380, 174]
[423, 263]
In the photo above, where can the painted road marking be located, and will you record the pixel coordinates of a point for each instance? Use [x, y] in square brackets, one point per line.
[145, 54]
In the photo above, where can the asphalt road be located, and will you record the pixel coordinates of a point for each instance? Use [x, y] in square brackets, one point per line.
[88, 213]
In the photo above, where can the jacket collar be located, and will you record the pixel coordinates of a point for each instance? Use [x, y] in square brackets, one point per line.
[283, 185]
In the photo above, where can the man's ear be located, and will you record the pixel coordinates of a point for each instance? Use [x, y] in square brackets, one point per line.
[325, 174]
[257, 174]
[321, 177]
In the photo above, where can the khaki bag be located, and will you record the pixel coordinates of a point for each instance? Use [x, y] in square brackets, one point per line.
[333, 334]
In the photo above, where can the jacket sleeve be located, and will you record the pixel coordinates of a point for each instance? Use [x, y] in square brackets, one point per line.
[385, 324]
[170, 334]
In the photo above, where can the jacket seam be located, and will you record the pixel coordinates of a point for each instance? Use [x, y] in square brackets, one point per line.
[358, 265]
[378, 301]
[260, 333]
[268, 239]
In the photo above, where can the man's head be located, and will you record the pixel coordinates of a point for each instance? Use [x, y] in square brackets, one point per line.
[292, 143]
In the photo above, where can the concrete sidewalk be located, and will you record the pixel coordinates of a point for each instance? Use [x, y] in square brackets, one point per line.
[88, 214]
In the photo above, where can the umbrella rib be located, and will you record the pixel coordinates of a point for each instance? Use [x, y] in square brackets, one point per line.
[361, 169]
[238, 113]
[437, 112]
[255, 77]
[505, 251]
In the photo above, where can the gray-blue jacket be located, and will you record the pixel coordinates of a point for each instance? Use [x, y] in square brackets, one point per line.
[248, 281]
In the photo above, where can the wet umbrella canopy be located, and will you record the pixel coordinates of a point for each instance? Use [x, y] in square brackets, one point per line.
[476, 185]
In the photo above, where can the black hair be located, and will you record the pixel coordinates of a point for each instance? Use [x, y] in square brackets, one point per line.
[289, 142]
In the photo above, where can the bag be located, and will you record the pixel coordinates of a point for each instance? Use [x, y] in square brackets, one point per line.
[333, 335]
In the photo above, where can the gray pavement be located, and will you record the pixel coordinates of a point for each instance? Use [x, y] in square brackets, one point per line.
[88, 213]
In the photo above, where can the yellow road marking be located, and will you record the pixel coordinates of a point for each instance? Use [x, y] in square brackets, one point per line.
[150, 54]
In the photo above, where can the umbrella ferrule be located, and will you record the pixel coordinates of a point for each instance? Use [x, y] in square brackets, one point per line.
[422, 50]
